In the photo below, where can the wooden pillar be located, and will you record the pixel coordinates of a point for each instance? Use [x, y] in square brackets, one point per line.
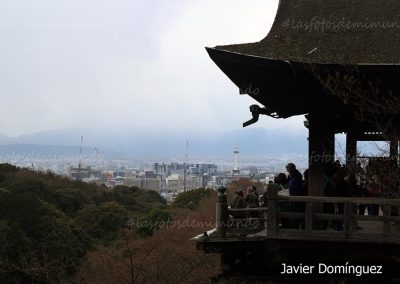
[351, 150]
[321, 149]
[272, 213]
[394, 151]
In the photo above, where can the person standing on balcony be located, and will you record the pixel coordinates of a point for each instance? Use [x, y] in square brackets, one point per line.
[295, 189]
[251, 199]
[238, 202]
[295, 180]
[254, 188]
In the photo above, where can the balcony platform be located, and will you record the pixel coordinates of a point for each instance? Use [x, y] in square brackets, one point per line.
[260, 250]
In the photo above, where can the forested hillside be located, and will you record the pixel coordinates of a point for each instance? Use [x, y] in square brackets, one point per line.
[54, 230]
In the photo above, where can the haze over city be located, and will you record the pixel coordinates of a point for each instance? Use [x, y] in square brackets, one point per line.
[125, 64]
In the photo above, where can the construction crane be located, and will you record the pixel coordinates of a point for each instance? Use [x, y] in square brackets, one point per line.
[100, 160]
[80, 154]
[184, 166]
[97, 156]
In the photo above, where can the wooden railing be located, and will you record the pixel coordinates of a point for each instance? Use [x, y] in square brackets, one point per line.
[312, 221]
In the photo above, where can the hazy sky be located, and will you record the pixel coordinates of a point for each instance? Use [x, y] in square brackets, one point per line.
[123, 63]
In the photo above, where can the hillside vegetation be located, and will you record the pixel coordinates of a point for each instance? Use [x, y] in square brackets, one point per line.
[54, 230]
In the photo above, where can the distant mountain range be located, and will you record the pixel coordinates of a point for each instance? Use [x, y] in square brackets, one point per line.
[154, 143]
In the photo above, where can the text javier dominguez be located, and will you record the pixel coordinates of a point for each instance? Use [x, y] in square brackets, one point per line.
[329, 269]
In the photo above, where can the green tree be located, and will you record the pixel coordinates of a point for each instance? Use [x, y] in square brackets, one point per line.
[152, 222]
[15, 253]
[136, 199]
[40, 232]
[190, 199]
[102, 222]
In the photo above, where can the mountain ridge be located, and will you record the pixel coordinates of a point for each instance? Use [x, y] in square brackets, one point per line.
[169, 142]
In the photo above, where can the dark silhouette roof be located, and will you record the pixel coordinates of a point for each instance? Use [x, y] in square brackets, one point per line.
[331, 31]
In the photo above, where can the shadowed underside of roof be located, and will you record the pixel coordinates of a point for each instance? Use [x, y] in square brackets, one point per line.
[331, 31]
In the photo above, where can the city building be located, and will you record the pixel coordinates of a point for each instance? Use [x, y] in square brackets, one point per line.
[175, 183]
[152, 183]
[85, 174]
[202, 169]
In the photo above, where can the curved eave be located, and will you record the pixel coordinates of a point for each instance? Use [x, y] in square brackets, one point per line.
[289, 88]
[284, 87]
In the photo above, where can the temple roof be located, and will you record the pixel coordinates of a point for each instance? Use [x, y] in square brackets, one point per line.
[331, 31]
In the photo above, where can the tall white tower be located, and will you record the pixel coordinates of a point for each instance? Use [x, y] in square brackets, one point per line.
[236, 158]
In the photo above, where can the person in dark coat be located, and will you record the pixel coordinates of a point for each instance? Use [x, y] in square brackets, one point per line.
[251, 199]
[254, 188]
[238, 202]
[295, 180]
[295, 189]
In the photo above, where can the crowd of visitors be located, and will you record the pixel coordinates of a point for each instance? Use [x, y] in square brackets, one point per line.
[339, 181]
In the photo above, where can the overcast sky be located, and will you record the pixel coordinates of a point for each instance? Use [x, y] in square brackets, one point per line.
[123, 63]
